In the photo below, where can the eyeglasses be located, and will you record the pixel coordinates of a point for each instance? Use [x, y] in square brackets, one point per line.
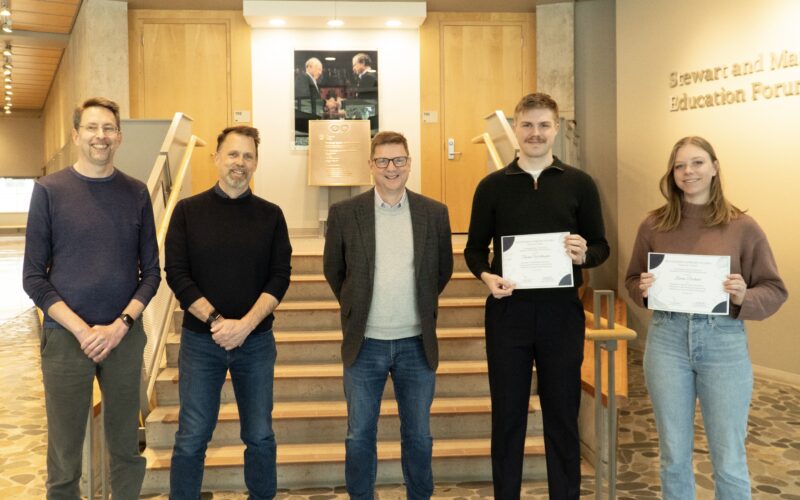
[94, 129]
[399, 161]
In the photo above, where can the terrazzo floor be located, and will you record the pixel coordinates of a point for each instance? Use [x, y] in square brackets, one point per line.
[773, 445]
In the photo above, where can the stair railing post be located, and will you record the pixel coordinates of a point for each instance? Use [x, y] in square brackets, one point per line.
[88, 446]
[610, 346]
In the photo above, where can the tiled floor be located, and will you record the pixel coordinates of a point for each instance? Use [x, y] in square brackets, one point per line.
[773, 445]
[13, 300]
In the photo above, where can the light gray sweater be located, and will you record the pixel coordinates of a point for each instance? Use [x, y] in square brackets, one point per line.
[393, 313]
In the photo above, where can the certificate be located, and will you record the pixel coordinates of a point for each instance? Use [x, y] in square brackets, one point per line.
[537, 261]
[688, 283]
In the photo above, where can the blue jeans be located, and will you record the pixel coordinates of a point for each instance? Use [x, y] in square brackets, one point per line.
[414, 384]
[690, 357]
[202, 367]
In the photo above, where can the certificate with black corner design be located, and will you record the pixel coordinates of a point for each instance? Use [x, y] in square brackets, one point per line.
[688, 283]
[537, 260]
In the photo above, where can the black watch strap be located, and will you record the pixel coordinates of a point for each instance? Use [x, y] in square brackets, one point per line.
[127, 319]
[213, 317]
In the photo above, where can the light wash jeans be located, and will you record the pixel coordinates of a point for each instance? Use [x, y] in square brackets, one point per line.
[697, 356]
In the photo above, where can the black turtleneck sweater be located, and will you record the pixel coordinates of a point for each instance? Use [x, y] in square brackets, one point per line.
[228, 251]
[509, 202]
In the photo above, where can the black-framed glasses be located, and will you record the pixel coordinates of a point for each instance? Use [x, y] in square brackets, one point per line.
[399, 161]
[94, 129]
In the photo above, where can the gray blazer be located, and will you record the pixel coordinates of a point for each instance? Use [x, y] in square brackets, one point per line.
[349, 263]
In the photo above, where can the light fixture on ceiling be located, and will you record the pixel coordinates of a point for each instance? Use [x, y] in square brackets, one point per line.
[7, 64]
[335, 22]
[7, 50]
[9, 92]
[4, 10]
[277, 22]
[7, 79]
[7, 25]
[7, 72]
[393, 23]
[8, 86]
[8, 98]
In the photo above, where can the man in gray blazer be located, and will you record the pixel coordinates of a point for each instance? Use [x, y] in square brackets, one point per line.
[388, 255]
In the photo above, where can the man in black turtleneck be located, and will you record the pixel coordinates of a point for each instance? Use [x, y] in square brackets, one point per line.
[535, 193]
[228, 262]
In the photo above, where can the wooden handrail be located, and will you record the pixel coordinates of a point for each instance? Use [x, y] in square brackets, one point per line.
[485, 138]
[161, 236]
[176, 187]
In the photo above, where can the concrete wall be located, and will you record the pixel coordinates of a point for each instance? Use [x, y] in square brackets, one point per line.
[95, 63]
[282, 173]
[596, 117]
[756, 140]
[22, 146]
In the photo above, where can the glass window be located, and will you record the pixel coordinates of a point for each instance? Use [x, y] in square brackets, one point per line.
[15, 194]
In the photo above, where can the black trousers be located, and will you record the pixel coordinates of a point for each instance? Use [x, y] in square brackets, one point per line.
[519, 332]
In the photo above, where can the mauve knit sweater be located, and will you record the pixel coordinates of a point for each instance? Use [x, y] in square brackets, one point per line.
[742, 239]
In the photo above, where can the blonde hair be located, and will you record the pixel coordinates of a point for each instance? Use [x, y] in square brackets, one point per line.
[720, 210]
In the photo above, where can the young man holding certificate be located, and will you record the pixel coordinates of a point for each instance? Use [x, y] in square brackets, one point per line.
[533, 313]
[694, 354]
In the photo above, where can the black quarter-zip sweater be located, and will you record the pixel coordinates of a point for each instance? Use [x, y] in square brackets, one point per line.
[509, 202]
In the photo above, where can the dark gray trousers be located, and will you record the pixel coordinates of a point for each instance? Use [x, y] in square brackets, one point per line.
[68, 375]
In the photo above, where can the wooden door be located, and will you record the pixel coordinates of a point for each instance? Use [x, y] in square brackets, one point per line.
[482, 72]
[195, 62]
[480, 63]
[185, 68]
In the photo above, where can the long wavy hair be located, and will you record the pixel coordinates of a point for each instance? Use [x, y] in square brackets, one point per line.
[720, 210]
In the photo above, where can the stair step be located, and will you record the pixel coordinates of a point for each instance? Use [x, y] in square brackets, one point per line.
[324, 382]
[311, 262]
[324, 346]
[324, 314]
[314, 287]
[325, 421]
[314, 464]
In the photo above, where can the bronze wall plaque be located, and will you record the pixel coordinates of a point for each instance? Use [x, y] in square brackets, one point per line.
[338, 153]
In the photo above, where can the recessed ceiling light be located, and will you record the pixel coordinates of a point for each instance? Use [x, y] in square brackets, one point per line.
[9, 92]
[7, 72]
[277, 22]
[8, 98]
[335, 23]
[4, 9]
[7, 79]
[8, 86]
[7, 26]
[393, 23]
[7, 50]
[330, 58]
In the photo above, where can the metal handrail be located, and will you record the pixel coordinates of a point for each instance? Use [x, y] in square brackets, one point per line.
[606, 338]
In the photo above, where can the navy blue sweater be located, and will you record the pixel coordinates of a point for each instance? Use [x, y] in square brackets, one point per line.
[90, 243]
[228, 251]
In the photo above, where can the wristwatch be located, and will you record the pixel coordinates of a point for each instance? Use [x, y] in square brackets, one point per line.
[127, 319]
[213, 317]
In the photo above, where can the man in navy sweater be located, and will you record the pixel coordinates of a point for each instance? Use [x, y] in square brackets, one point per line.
[535, 193]
[91, 264]
[228, 262]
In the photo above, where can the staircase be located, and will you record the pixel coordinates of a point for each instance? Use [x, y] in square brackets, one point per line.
[309, 416]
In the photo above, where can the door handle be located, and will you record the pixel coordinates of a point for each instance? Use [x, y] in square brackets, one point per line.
[451, 149]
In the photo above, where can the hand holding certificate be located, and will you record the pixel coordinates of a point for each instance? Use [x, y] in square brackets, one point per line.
[537, 261]
[688, 283]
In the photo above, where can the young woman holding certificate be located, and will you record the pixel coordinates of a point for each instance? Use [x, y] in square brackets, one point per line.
[703, 356]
